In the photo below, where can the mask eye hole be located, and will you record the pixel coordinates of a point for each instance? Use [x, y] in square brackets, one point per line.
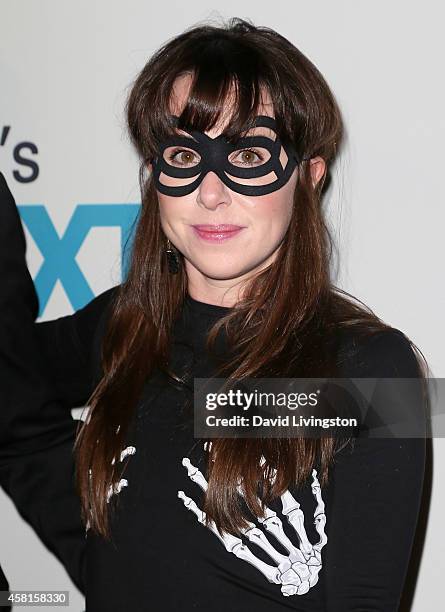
[181, 157]
[249, 157]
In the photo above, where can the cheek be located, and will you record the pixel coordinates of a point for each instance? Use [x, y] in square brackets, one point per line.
[169, 217]
[169, 209]
[276, 210]
[163, 205]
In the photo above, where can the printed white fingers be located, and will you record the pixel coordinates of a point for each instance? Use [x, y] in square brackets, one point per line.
[319, 514]
[296, 572]
[130, 450]
[231, 543]
[194, 474]
[117, 488]
[295, 516]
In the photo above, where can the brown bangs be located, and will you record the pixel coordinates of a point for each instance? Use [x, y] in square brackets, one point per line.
[226, 74]
[225, 77]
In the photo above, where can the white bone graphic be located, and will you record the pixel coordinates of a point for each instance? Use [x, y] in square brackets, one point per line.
[296, 572]
[130, 450]
[123, 482]
[117, 488]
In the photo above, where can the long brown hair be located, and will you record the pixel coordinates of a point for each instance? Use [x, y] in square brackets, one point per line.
[290, 314]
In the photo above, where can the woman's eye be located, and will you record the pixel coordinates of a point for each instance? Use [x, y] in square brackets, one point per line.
[183, 157]
[248, 157]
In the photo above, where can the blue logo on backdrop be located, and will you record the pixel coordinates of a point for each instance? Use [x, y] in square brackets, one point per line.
[59, 252]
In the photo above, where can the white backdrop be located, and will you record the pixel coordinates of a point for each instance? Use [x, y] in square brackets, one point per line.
[65, 69]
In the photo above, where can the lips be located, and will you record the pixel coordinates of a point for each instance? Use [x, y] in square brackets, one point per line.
[217, 233]
[226, 227]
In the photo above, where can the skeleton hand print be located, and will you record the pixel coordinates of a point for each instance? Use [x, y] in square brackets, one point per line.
[123, 482]
[296, 572]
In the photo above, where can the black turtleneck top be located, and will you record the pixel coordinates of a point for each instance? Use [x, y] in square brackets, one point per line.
[342, 548]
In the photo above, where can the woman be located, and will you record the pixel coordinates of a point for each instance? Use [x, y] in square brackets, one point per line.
[235, 129]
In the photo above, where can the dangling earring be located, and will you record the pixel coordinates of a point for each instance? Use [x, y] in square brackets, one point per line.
[172, 259]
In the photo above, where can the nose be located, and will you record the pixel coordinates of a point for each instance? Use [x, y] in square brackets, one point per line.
[212, 192]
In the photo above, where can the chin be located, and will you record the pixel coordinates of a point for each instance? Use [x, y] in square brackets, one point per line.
[223, 272]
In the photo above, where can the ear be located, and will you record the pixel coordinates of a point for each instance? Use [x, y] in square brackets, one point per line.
[318, 169]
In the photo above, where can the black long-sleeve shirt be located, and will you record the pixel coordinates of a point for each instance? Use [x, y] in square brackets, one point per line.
[163, 558]
[36, 431]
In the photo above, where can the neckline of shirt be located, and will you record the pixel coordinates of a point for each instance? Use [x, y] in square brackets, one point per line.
[205, 308]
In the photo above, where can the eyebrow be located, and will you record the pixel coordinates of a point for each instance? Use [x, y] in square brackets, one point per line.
[182, 133]
[262, 131]
[254, 131]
